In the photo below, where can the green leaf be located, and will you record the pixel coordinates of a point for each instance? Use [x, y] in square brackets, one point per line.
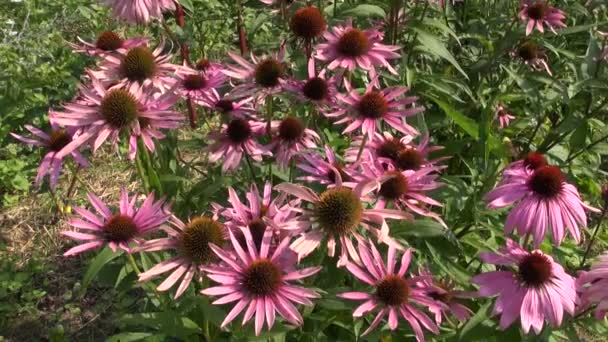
[479, 317]
[128, 337]
[105, 256]
[467, 124]
[436, 47]
[366, 11]
[419, 228]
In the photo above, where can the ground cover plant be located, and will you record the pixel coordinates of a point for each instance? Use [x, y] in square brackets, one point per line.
[304, 170]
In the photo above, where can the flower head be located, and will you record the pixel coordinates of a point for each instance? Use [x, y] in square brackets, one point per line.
[443, 291]
[138, 12]
[368, 110]
[503, 116]
[594, 284]
[106, 113]
[265, 74]
[192, 241]
[53, 143]
[259, 280]
[307, 23]
[227, 106]
[544, 200]
[322, 170]
[348, 47]
[394, 294]
[318, 89]
[532, 54]
[291, 137]
[197, 84]
[538, 13]
[108, 42]
[119, 229]
[235, 138]
[530, 285]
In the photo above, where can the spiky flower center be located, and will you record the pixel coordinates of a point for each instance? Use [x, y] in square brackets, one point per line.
[410, 159]
[268, 72]
[528, 51]
[538, 11]
[138, 64]
[59, 139]
[394, 187]
[291, 129]
[316, 89]
[108, 41]
[238, 131]
[534, 160]
[390, 148]
[547, 181]
[194, 82]
[353, 43]
[262, 278]
[263, 210]
[224, 106]
[120, 228]
[373, 105]
[203, 64]
[535, 269]
[196, 237]
[392, 290]
[307, 23]
[338, 211]
[119, 108]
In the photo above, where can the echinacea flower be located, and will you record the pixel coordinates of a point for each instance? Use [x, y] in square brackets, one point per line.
[369, 110]
[265, 74]
[230, 108]
[403, 189]
[140, 12]
[307, 23]
[138, 65]
[291, 137]
[394, 293]
[529, 285]
[532, 54]
[318, 89]
[106, 113]
[322, 170]
[443, 291]
[53, 142]
[544, 200]
[119, 229]
[259, 280]
[348, 47]
[108, 42]
[262, 213]
[538, 13]
[236, 138]
[522, 167]
[336, 214]
[503, 116]
[192, 241]
[595, 286]
[399, 152]
[196, 84]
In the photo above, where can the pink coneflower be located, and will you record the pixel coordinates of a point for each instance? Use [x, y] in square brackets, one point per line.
[139, 12]
[307, 23]
[259, 281]
[403, 189]
[399, 152]
[337, 213]
[231, 108]
[291, 137]
[317, 89]
[530, 285]
[105, 113]
[443, 291]
[196, 84]
[373, 107]
[322, 170]
[533, 55]
[544, 201]
[138, 65]
[262, 213]
[54, 142]
[192, 242]
[538, 12]
[265, 74]
[108, 42]
[235, 138]
[503, 116]
[595, 286]
[117, 230]
[348, 47]
[393, 293]
[522, 168]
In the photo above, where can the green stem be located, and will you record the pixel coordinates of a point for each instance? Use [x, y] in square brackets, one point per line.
[573, 156]
[409, 55]
[133, 263]
[269, 115]
[141, 173]
[73, 182]
[363, 143]
[595, 231]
